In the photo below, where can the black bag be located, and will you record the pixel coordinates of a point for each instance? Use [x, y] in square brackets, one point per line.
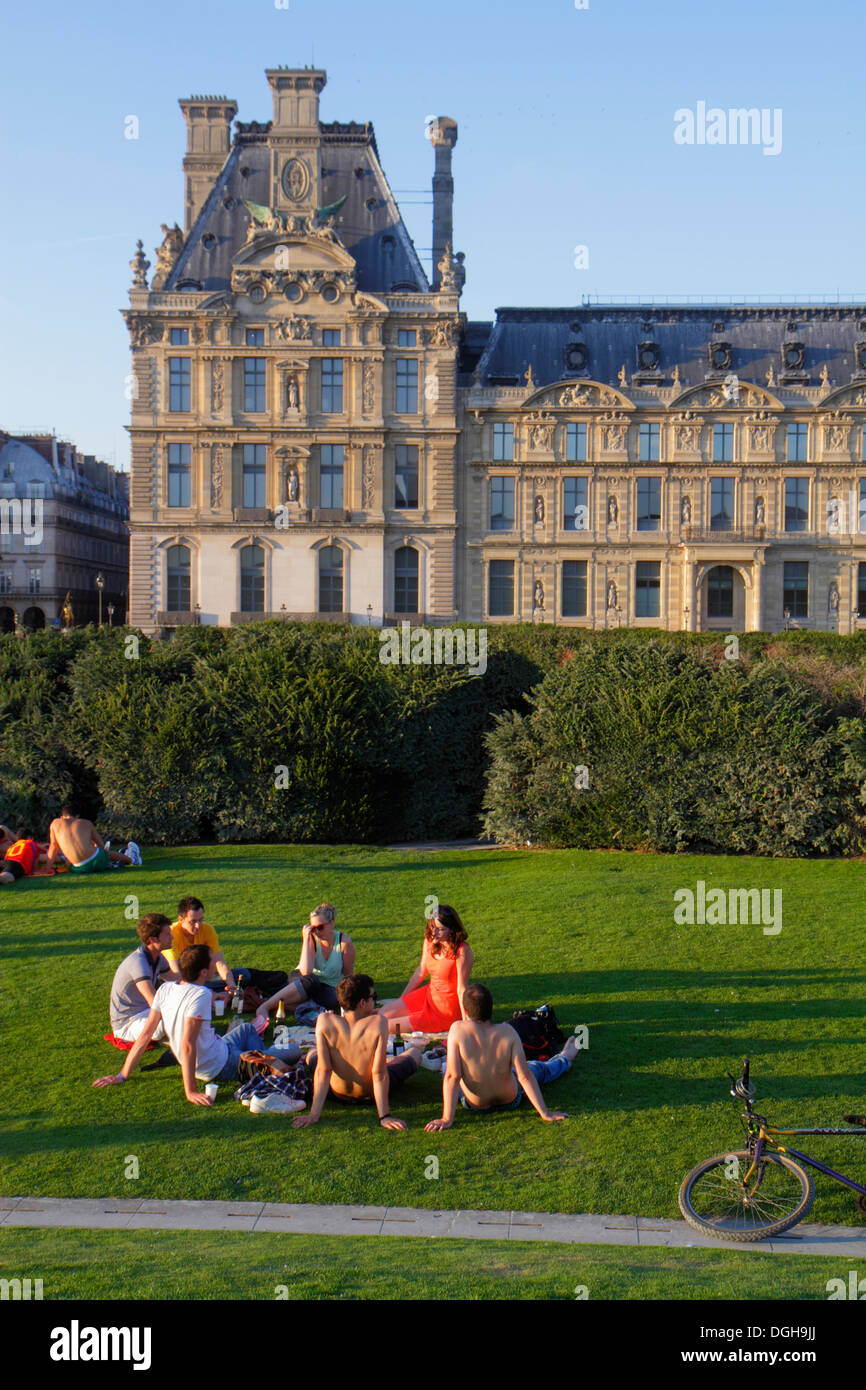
[539, 1032]
[267, 981]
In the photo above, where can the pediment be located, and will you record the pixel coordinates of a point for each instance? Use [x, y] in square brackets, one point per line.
[283, 252]
[851, 395]
[724, 393]
[579, 394]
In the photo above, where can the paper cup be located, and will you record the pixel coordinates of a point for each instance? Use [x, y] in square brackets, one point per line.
[211, 1090]
[219, 1007]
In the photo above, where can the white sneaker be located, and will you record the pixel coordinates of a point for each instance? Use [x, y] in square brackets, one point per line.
[133, 852]
[276, 1104]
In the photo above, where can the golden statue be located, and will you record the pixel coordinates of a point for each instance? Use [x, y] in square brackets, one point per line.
[66, 610]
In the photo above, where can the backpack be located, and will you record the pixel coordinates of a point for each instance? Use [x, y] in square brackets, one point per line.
[539, 1032]
[259, 1064]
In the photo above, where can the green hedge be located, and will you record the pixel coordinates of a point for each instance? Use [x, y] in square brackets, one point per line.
[297, 732]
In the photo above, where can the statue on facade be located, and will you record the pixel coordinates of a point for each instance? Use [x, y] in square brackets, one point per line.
[611, 595]
[447, 270]
[293, 399]
[293, 485]
[611, 511]
[759, 511]
[622, 377]
[833, 597]
[771, 376]
[825, 377]
[167, 253]
[833, 514]
[686, 511]
[539, 510]
[66, 610]
[538, 597]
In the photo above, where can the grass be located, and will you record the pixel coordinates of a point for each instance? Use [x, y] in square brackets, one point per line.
[669, 1008]
[231, 1264]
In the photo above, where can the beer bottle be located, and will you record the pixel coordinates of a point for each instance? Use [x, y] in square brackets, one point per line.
[281, 1012]
[399, 1041]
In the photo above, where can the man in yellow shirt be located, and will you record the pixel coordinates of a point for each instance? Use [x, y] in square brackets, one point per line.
[191, 929]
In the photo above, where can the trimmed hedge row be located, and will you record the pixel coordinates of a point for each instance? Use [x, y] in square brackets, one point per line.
[298, 732]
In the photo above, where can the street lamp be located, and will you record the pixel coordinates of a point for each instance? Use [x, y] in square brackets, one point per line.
[197, 614]
[369, 614]
[100, 585]
[787, 618]
[111, 615]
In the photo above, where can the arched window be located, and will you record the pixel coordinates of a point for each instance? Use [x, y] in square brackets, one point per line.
[252, 579]
[406, 580]
[331, 579]
[178, 575]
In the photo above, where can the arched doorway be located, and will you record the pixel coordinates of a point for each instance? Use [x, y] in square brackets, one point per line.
[7, 620]
[33, 619]
[723, 599]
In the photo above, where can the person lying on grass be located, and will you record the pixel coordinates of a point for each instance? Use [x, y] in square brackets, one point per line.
[487, 1067]
[327, 957]
[184, 1010]
[24, 859]
[191, 929]
[81, 844]
[350, 1059]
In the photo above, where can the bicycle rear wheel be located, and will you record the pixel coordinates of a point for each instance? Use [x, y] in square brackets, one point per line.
[717, 1200]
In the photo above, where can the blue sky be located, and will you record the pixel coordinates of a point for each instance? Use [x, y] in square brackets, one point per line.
[566, 121]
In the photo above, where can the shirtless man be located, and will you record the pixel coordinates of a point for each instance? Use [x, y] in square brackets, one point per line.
[487, 1068]
[83, 846]
[351, 1057]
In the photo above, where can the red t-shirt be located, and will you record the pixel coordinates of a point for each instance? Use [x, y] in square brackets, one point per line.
[25, 853]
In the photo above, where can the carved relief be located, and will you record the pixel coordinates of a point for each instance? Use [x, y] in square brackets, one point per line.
[216, 477]
[613, 431]
[540, 430]
[294, 329]
[761, 431]
[836, 431]
[144, 331]
[295, 179]
[368, 476]
[216, 387]
[368, 392]
[441, 334]
[687, 432]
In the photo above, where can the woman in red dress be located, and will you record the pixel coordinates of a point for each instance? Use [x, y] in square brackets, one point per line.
[447, 958]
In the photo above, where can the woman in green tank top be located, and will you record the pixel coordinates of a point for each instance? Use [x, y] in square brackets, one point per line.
[326, 957]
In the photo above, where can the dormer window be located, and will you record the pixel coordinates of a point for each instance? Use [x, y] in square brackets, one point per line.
[720, 357]
[648, 356]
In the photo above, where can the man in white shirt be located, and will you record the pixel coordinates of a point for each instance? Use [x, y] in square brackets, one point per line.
[184, 1010]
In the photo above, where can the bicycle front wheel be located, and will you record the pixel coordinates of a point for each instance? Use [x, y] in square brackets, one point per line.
[718, 1199]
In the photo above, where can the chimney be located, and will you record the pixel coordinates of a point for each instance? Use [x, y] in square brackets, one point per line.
[295, 138]
[442, 134]
[208, 141]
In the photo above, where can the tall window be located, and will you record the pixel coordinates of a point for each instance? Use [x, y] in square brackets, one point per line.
[575, 443]
[252, 579]
[34, 581]
[331, 476]
[796, 504]
[178, 383]
[721, 503]
[178, 587]
[797, 443]
[502, 504]
[331, 579]
[332, 337]
[648, 442]
[179, 475]
[406, 580]
[407, 386]
[332, 385]
[861, 589]
[503, 441]
[649, 504]
[254, 474]
[575, 512]
[795, 592]
[6, 582]
[500, 602]
[720, 592]
[406, 476]
[254, 384]
[647, 588]
[723, 442]
[574, 588]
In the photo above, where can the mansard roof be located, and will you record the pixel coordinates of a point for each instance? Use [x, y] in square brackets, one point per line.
[368, 223]
[612, 337]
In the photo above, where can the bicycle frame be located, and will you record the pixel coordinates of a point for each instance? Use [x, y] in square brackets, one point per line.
[765, 1136]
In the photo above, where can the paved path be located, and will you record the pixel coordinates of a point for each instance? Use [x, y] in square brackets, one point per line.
[431, 846]
[136, 1214]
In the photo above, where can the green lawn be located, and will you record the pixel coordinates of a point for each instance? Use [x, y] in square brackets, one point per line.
[210, 1264]
[669, 1008]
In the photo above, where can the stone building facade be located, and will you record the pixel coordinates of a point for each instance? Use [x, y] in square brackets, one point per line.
[63, 524]
[319, 432]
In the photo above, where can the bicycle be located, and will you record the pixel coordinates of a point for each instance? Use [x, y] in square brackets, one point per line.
[761, 1190]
